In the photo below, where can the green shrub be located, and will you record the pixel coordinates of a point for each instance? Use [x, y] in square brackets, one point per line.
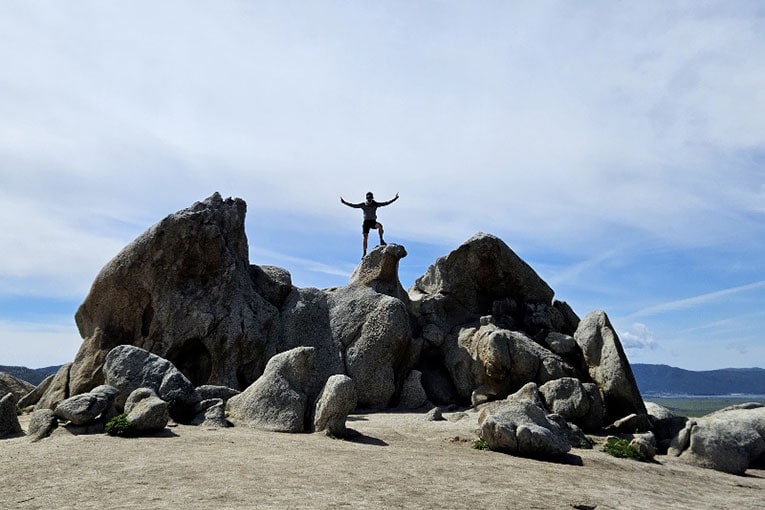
[622, 448]
[480, 444]
[19, 411]
[119, 426]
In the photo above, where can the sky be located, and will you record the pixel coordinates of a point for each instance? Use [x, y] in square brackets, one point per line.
[617, 147]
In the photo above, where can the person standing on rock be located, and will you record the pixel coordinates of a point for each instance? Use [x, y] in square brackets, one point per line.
[370, 216]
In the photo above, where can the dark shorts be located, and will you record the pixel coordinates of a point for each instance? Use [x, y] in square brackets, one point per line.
[368, 225]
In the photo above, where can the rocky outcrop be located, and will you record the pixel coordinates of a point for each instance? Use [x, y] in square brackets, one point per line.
[181, 307]
[608, 366]
[373, 329]
[278, 400]
[730, 440]
[183, 291]
[10, 384]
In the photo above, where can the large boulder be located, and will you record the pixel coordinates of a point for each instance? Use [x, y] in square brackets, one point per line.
[481, 277]
[42, 422]
[128, 368]
[86, 407]
[488, 362]
[55, 388]
[183, 291]
[9, 420]
[34, 396]
[577, 402]
[278, 400]
[11, 384]
[336, 401]
[374, 331]
[608, 366]
[730, 440]
[522, 428]
[305, 321]
[145, 411]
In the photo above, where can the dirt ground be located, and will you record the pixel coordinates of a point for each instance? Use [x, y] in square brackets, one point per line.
[399, 460]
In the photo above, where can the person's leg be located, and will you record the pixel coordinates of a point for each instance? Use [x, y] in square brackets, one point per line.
[380, 230]
[366, 235]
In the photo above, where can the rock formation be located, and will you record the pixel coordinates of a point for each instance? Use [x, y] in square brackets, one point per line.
[10, 384]
[181, 309]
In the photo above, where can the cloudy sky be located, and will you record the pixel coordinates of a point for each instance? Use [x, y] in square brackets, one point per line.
[617, 147]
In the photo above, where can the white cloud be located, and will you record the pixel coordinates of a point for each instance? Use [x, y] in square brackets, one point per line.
[638, 336]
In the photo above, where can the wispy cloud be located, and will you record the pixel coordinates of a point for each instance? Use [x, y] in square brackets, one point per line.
[695, 301]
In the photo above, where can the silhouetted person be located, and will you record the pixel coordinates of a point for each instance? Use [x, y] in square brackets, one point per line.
[370, 216]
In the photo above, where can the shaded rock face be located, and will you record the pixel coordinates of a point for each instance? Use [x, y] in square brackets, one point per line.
[9, 421]
[181, 290]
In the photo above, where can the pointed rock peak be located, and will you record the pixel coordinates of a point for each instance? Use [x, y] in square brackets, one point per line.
[379, 270]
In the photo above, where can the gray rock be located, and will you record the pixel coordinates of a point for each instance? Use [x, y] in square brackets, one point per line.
[278, 400]
[561, 344]
[608, 366]
[9, 420]
[271, 282]
[731, 441]
[224, 393]
[128, 368]
[460, 287]
[645, 444]
[34, 396]
[375, 332]
[182, 290]
[145, 411]
[305, 321]
[413, 395]
[337, 400]
[657, 411]
[574, 401]
[56, 390]
[522, 428]
[434, 414]
[576, 437]
[487, 362]
[379, 271]
[11, 384]
[42, 422]
[82, 409]
[210, 413]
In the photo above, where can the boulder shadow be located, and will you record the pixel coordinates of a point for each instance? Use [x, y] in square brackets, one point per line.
[354, 436]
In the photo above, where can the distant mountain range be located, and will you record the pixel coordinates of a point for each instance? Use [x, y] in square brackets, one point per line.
[651, 379]
[31, 375]
[663, 379]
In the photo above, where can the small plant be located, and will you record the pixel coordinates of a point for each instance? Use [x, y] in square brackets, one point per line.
[480, 444]
[622, 448]
[119, 426]
[19, 411]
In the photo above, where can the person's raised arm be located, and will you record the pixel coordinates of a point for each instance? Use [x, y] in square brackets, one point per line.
[389, 201]
[342, 201]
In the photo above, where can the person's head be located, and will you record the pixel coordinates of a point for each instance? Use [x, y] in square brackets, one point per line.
[370, 196]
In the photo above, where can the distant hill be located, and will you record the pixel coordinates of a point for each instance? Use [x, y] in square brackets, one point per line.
[662, 379]
[31, 375]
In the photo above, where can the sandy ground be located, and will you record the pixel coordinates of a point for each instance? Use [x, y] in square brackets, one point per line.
[399, 460]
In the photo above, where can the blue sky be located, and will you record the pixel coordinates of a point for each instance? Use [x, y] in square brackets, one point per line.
[617, 147]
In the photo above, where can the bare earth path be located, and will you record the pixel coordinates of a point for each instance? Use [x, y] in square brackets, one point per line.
[399, 461]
